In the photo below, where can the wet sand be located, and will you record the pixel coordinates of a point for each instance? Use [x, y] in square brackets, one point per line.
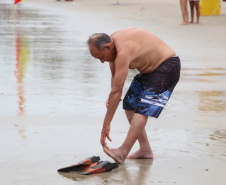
[53, 94]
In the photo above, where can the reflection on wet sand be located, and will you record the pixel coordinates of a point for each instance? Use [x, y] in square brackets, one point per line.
[219, 135]
[22, 54]
[133, 172]
[202, 74]
[22, 59]
[218, 138]
[137, 173]
[212, 101]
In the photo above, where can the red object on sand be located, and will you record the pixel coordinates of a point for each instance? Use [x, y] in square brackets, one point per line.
[17, 1]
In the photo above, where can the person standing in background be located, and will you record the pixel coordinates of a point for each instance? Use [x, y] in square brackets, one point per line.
[184, 9]
[194, 4]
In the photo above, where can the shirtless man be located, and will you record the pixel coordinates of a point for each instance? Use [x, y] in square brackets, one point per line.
[149, 91]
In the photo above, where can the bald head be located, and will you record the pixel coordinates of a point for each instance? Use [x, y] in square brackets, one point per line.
[99, 40]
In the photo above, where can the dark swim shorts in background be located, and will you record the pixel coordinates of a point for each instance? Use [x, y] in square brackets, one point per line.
[149, 93]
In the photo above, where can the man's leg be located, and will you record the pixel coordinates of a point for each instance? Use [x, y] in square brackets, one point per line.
[137, 126]
[196, 4]
[192, 11]
[145, 151]
[184, 10]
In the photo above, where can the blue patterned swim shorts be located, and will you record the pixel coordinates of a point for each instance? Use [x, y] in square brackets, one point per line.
[149, 93]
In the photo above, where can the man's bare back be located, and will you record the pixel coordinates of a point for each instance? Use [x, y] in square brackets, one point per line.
[146, 51]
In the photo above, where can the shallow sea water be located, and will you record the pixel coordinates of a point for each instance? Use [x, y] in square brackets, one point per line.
[52, 96]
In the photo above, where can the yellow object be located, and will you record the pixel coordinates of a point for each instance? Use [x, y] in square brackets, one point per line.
[210, 7]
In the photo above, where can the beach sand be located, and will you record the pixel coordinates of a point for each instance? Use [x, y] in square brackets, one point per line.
[188, 139]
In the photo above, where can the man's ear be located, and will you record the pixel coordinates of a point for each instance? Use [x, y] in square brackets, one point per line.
[108, 45]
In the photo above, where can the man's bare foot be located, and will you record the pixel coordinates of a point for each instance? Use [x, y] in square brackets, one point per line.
[114, 154]
[141, 155]
[184, 23]
[191, 22]
[197, 22]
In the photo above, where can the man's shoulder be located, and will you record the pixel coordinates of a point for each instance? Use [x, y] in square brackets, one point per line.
[125, 32]
[123, 37]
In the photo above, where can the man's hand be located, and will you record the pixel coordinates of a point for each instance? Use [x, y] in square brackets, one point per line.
[105, 133]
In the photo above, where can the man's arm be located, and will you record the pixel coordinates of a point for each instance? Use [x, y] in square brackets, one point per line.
[112, 68]
[118, 79]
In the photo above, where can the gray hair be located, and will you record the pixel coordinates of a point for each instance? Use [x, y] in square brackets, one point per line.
[100, 40]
